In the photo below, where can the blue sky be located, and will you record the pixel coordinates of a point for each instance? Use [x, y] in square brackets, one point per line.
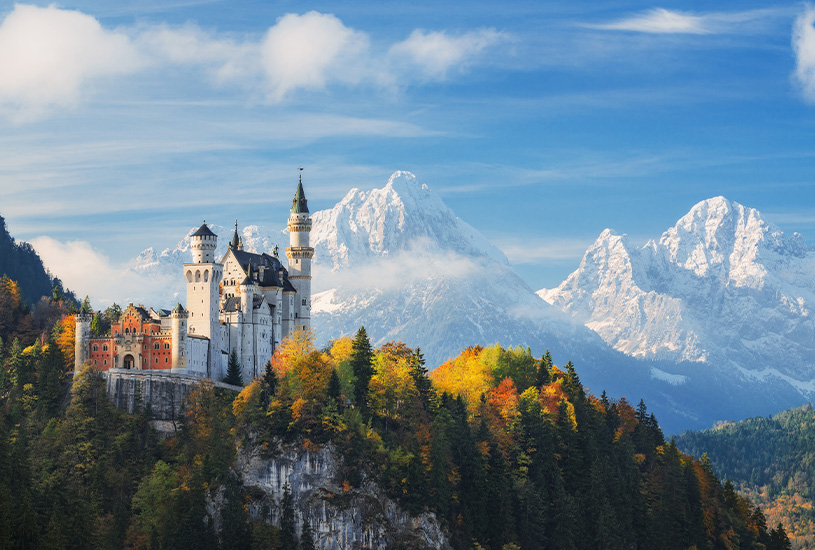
[123, 124]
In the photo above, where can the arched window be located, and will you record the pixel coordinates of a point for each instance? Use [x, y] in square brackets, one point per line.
[206, 275]
[197, 276]
[189, 276]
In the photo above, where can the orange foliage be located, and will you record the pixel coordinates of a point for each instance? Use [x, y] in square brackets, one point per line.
[504, 399]
[299, 343]
[313, 372]
[628, 419]
[395, 350]
[67, 340]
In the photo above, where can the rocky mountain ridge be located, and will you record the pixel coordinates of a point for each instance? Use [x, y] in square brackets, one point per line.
[722, 287]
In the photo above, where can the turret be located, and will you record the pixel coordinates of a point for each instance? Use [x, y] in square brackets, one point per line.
[247, 289]
[300, 254]
[178, 327]
[82, 339]
[203, 244]
[203, 276]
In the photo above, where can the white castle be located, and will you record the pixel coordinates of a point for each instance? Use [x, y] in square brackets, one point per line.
[246, 303]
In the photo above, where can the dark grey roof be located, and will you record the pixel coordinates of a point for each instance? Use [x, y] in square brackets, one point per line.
[264, 269]
[204, 231]
[233, 303]
[257, 301]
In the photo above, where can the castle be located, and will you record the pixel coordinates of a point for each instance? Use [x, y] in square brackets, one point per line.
[246, 303]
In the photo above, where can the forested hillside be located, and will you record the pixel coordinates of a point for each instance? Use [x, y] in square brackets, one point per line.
[770, 459]
[508, 450]
[21, 263]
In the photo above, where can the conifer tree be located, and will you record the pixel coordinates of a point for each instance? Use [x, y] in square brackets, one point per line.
[307, 537]
[86, 306]
[418, 372]
[288, 540]
[361, 363]
[544, 370]
[96, 326]
[56, 292]
[334, 390]
[233, 370]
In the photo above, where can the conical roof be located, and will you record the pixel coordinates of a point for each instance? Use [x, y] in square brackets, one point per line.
[204, 231]
[233, 244]
[299, 205]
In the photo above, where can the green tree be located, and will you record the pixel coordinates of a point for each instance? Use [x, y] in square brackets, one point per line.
[420, 376]
[307, 537]
[288, 540]
[362, 365]
[86, 306]
[234, 375]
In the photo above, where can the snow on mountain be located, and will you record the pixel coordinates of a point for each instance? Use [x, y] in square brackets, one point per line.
[398, 261]
[721, 287]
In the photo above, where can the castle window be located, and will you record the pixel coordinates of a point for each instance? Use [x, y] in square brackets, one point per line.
[166, 346]
[166, 359]
[206, 275]
[156, 360]
[189, 276]
[197, 276]
[104, 348]
[155, 346]
[95, 348]
[105, 362]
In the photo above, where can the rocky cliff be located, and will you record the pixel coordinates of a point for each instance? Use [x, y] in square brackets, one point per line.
[340, 519]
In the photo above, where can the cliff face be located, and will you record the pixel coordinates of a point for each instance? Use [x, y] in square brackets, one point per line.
[359, 518]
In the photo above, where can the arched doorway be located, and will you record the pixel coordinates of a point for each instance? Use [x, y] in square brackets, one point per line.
[129, 362]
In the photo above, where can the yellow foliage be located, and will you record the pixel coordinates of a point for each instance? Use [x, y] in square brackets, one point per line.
[298, 344]
[297, 408]
[341, 349]
[466, 376]
[249, 394]
[67, 339]
[391, 385]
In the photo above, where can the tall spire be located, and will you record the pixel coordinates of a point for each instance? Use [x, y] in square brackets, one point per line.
[235, 242]
[300, 205]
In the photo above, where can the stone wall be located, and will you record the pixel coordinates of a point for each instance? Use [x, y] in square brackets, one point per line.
[166, 392]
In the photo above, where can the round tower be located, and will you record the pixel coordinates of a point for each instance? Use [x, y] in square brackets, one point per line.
[82, 339]
[203, 244]
[300, 254]
[178, 327]
[203, 278]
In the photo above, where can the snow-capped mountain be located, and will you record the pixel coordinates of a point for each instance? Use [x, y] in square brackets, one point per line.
[398, 261]
[722, 287]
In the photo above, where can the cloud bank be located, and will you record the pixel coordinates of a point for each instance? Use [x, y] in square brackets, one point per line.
[50, 56]
[662, 21]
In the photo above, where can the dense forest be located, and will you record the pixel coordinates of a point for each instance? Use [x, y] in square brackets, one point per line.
[508, 450]
[20, 263]
[770, 459]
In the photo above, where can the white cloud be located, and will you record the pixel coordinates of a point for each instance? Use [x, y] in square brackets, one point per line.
[47, 55]
[308, 51]
[191, 45]
[803, 43]
[436, 53]
[662, 21]
[88, 272]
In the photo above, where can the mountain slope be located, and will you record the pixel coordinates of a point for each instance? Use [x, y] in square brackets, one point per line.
[21, 263]
[721, 287]
[770, 461]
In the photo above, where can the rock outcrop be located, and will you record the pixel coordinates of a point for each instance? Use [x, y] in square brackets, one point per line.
[341, 519]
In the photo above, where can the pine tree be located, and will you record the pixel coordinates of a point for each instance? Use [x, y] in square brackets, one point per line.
[96, 326]
[233, 370]
[307, 537]
[56, 292]
[418, 372]
[288, 540]
[86, 306]
[779, 539]
[361, 363]
[334, 390]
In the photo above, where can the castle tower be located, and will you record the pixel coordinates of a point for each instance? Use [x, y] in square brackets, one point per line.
[203, 276]
[246, 332]
[300, 254]
[82, 339]
[179, 343]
